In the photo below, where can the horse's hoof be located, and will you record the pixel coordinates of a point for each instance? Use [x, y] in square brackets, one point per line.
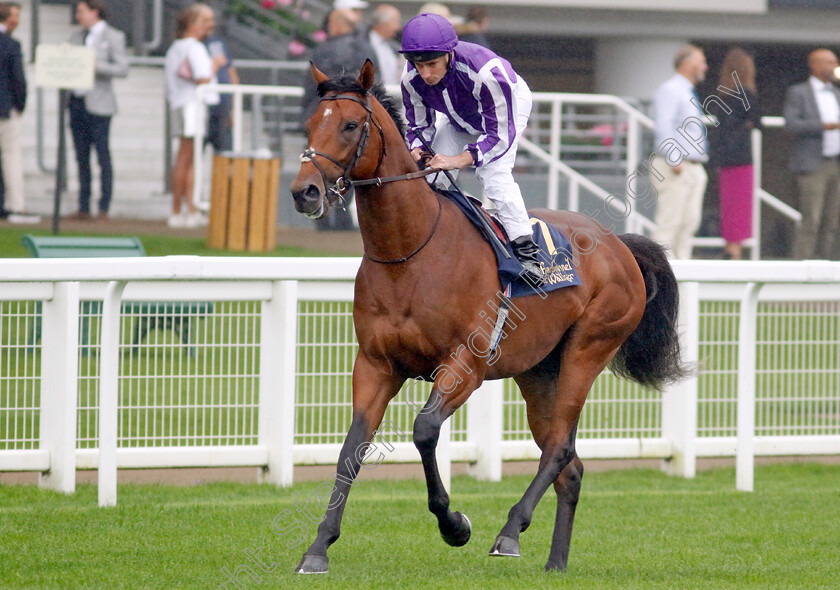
[312, 564]
[505, 547]
[555, 567]
[461, 535]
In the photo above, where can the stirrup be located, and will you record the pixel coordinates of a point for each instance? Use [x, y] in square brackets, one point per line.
[526, 252]
[533, 271]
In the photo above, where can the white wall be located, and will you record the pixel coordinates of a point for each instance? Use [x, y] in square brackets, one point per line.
[634, 67]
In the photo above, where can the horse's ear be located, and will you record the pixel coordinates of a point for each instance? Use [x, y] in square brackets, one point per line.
[317, 74]
[367, 74]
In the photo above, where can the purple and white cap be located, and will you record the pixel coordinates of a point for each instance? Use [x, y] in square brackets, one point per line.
[428, 33]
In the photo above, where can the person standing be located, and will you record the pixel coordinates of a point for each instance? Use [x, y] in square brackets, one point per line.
[474, 29]
[484, 107]
[188, 64]
[12, 104]
[812, 115]
[680, 181]
[732, 150]
[91, 110]
[343, 52]
[219, 133]
[386, 23]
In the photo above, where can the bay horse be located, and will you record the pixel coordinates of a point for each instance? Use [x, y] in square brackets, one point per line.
[424, 279]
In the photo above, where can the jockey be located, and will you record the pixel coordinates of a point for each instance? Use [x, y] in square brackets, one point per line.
[485, 107]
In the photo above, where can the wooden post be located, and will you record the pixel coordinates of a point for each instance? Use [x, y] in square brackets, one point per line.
[243, 204]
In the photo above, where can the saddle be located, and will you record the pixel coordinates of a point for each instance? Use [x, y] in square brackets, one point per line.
[555, 249]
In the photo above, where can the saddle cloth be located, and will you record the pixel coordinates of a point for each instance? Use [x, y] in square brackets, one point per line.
[555, 252]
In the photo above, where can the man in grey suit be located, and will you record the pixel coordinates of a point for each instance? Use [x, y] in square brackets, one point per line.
[812, 114]
[91, 110]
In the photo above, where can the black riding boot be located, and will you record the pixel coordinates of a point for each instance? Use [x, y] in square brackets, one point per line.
[526, 251]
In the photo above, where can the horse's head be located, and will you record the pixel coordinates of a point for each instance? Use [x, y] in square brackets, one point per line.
[341, 144]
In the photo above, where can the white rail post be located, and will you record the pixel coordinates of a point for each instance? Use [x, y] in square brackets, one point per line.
[109, 372]
[237, 121]
[631, 223]
[484, 429]
[747, 340]
[278, 365]
[632, 146]
[198, 145]
[755, 137]
[679, 401]
[554, 148]
[59, 386]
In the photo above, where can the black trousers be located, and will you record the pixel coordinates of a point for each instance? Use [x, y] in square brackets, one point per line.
[91, 131]
[218, 128]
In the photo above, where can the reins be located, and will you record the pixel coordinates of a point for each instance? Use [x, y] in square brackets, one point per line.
[417, 251]
[343, 184]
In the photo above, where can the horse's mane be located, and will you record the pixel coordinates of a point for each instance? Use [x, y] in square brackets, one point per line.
[350, 84]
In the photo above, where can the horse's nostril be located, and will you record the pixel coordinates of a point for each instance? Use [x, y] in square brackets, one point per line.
[312, 192]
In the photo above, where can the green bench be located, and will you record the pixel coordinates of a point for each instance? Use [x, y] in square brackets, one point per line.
[175, 316]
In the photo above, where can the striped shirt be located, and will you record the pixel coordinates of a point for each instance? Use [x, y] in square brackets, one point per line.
[476, 95]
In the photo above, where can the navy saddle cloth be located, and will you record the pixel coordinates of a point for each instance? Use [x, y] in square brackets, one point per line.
[555, 253]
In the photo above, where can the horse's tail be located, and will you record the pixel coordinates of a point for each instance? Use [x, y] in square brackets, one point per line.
[651, 355]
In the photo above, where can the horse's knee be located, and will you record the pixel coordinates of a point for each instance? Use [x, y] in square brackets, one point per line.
[558, 457]
[567, 485]
[426, 432]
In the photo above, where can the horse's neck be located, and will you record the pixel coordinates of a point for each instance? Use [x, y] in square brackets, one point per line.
[396, 217]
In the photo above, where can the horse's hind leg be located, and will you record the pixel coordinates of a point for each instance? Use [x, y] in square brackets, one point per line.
[554, 406]
[539, 392]
[454, 527]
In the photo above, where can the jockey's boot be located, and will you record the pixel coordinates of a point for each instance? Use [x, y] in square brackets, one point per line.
[526, 251]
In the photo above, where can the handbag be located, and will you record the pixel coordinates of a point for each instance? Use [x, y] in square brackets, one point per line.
[185, 70]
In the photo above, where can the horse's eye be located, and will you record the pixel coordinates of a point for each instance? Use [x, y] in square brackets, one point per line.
[351, 126]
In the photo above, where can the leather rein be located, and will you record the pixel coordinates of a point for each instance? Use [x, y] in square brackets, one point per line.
[336, 192]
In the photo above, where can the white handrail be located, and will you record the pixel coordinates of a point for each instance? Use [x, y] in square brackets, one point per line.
[635, 221]
[579, 179]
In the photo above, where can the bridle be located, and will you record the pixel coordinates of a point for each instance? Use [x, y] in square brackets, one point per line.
[336, 191]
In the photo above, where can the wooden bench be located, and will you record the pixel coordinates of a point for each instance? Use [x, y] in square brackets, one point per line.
[172, 315]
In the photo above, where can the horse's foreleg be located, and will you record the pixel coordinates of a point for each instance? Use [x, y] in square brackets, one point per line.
[567, 487]
[372, 390]
[455, 528]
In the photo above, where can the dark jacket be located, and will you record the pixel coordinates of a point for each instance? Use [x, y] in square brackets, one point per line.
[802, 119]
[12, 80]
[731, 143]
[336, 56]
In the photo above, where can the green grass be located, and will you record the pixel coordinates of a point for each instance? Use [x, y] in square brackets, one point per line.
[155, 245]
[634, 529]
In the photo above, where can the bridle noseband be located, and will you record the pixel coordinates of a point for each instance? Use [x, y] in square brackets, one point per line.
[336, 192]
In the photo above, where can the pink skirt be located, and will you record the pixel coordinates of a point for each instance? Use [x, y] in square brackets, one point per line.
[736, 202]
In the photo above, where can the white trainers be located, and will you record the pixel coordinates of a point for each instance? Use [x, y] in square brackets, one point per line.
[196, 219]
[24, 218]
[177, 220]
